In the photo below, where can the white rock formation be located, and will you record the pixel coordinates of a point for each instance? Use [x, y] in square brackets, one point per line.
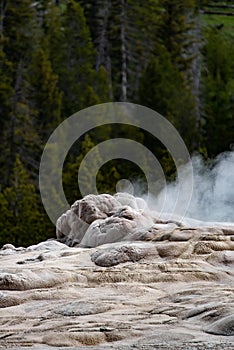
[95, 220]
[154, 285]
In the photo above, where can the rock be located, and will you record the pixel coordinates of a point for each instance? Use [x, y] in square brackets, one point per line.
[81, 308]
[73, 224]
[123, 295]
[35, 279]
[121, 225]
[95, 220]
[8, 246]
[50, 245]
[201, 309]
[225, 326]
[117, 254]
[120, 277]
[222, 258]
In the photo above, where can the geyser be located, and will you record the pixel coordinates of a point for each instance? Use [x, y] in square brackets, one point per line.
[213, 190]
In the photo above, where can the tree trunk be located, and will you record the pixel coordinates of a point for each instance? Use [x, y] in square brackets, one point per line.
[103, 57]
[3, 7]
[102, 37]
[14, 118]
[123, 53]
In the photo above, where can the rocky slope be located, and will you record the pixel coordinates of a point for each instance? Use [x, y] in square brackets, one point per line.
[159, 285]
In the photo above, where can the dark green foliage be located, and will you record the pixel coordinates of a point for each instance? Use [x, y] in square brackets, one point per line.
[218, 88]
[122, 32]
[175, 30]
[21, 221]
[75, 69]
[70, 176]
[167, 85]
[18, 30]
[164, 90]
[46, 96]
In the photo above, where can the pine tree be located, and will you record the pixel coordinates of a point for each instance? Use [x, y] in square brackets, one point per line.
[46, 96]
[167, 85]
[18, 31]
[75, 60]
[218, 87]
[6, 93]
[162, 89]
[17, 42]
[179, 32]
[70, 177]
[21, 221]
[122, 32]
[175, 31]
[97, 14]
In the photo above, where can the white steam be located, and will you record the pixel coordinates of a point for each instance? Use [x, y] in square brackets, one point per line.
[213, 190]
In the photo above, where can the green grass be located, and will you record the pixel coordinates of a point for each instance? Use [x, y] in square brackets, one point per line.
[215, 20]
[218, 19]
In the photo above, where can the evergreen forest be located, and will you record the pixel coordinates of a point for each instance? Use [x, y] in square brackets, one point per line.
[58, 57]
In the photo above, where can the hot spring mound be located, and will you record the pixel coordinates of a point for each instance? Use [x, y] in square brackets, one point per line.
[120, 276]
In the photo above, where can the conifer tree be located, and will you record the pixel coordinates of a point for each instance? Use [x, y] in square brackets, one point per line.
[122, 33]
[175, 31]
[46, 96]
[6, 93]
[217, 93]
[21, 221]
[18, 33]
[75, 61]
[167, 85]
[162, 89]
[70, 178]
